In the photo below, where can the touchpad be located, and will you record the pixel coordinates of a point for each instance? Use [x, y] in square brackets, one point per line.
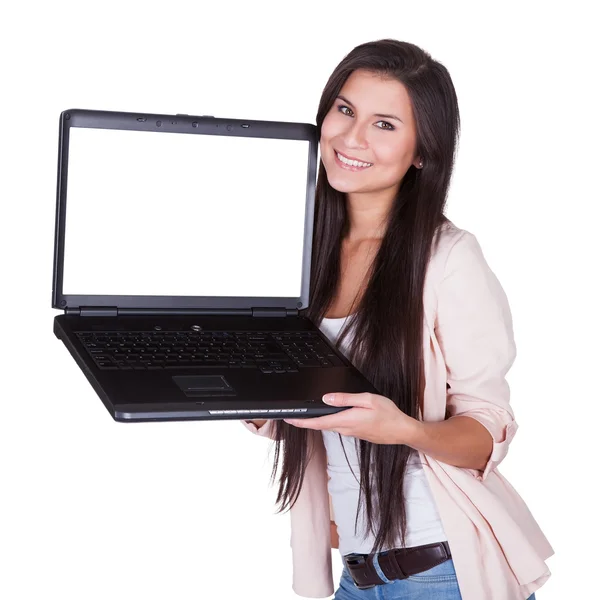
[204, 385]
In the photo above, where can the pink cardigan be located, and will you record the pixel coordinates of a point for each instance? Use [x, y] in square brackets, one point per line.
[497, 547]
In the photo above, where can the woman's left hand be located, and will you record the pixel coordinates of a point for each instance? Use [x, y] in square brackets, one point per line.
[373, 418]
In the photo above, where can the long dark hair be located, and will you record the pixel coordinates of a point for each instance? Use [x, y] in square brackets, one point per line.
[387, 341]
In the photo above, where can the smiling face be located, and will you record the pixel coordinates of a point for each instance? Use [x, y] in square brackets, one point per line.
[368, 137]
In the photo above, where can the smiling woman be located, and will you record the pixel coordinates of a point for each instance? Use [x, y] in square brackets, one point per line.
[362, 134]
[410, 299]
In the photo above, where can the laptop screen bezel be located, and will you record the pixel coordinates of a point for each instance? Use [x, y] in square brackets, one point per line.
[189, 125]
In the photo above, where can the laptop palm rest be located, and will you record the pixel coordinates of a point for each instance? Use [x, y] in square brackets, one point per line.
[204, 385]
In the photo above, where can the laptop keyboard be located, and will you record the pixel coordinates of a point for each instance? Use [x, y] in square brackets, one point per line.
[268, 351]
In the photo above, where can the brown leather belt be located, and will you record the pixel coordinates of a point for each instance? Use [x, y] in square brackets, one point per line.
[398, 563]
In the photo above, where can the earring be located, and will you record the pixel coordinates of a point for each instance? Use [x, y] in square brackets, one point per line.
[420, 164]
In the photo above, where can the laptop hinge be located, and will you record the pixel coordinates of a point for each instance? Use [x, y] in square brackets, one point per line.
[93, 311]
[274, 312]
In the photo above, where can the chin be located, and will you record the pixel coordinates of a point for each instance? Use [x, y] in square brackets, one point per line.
[342, 186]
[342, 182]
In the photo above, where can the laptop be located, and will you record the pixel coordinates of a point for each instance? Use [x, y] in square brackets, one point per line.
[182, 266]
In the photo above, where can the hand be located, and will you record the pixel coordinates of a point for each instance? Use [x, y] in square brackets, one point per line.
[373, 418]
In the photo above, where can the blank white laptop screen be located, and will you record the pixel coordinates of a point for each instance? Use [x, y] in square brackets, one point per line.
[167, 214]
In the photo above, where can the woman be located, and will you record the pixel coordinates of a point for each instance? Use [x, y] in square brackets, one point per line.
[410, 299]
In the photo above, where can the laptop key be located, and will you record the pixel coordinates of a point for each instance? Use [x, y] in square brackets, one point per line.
[308, 362]
[107, 365]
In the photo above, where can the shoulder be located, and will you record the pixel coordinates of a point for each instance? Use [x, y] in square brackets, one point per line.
[447, 236]
[456, 258]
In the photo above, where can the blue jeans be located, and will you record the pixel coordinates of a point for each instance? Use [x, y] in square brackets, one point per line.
[438, 583]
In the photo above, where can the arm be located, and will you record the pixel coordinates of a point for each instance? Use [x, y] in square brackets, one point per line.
[460, 441]
[474, 332]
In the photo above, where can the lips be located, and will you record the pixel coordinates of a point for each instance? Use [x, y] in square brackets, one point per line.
[351, 157]
[349, 167]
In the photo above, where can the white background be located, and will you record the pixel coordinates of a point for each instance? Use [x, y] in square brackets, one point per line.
[94, 509]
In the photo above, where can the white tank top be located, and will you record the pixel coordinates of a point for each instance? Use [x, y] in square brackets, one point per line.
[423, 520]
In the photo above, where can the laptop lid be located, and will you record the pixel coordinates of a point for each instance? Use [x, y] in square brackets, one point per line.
[162, 212]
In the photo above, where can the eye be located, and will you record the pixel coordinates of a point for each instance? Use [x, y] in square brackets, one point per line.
[389, 127]
[350, 113]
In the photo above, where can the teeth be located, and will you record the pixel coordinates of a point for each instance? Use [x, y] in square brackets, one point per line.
[352, 163]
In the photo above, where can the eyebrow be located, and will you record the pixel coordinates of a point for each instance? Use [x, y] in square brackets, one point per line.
[376, 115]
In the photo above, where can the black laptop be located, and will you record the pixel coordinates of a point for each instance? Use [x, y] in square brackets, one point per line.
[182, 260]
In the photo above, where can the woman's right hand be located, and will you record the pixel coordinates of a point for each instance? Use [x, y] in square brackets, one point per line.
[258, 422]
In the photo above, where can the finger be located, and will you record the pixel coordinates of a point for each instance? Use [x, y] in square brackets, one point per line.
[325, 422]
[306, 423]
[363, 400]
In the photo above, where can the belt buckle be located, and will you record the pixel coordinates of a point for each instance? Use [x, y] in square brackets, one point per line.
[356, 558]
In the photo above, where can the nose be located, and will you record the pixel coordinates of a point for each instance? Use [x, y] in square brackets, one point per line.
[354, 137]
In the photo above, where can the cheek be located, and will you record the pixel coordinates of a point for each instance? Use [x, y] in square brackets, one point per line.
[395, 148]
[389, 154]
[328, 134]
[331, 127]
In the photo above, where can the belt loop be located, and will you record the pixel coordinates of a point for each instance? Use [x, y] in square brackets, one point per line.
[395, 571]
[446, 549]
[363, 570]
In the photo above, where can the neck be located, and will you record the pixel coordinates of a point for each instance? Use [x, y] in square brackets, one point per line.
[367, 215]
